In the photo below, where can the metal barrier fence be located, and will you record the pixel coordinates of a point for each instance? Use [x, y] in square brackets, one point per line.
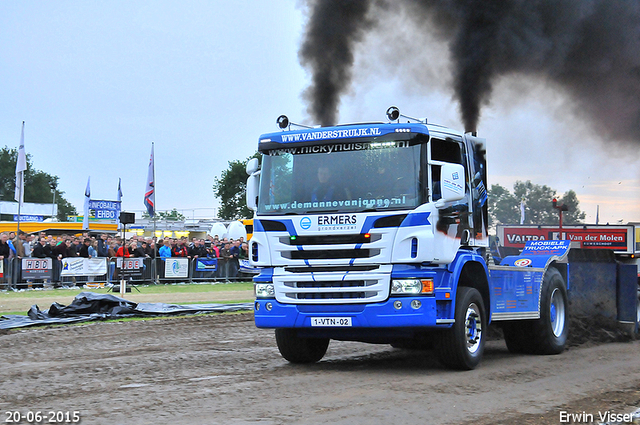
[19, 274]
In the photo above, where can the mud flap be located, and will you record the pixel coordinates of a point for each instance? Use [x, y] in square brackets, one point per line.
[627, 297]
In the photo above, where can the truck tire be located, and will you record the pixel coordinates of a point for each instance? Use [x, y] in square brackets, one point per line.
[517, 335]
[300, 350]
[461, 346]
[549, 333]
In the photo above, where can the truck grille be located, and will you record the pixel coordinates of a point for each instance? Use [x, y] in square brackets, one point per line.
[326, 287]
[332, 254]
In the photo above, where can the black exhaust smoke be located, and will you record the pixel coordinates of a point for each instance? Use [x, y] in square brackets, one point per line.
[589, 49]
[331, 36]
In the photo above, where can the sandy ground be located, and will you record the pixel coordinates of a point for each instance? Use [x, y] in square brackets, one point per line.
[220, 369]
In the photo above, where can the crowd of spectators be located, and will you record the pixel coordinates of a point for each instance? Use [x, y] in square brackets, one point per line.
[42, 245]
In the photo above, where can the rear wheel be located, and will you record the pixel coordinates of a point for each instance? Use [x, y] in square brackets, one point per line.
[549, 333]
[298, 349]
[517, 335]
[462, 345]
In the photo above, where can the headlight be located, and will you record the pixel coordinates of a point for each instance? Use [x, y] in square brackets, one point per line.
[264, 290]
[411, 286]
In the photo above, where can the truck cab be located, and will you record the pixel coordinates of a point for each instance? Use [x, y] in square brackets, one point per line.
[366, 231]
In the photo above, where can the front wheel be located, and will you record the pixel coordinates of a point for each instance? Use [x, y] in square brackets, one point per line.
[298, 349]
[462, 345]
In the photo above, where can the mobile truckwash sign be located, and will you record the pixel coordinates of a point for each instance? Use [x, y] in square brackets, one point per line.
[36, 268]
[558, 248]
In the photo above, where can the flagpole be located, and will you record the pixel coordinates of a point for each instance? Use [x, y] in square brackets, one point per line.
[21, 166]
[153, 237]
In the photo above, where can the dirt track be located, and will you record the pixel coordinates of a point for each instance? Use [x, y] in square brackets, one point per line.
[220, 369]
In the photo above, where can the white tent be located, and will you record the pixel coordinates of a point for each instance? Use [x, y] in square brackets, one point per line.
[236, 230]
[218, 229]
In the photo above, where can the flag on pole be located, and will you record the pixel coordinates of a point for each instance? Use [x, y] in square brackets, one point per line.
[21, 167]
[150, 191]
[87, 197]
[522, 209]
[119, 199]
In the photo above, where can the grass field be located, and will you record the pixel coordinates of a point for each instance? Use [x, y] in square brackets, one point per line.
[205, 293]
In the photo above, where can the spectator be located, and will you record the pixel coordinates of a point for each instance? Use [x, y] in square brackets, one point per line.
[64, 250]
[93, 249]
[77, 244]
[123, 251]
[165, 250]
[5, 251]
[234, 263]
[151, 250]
[244, 251]
[214, 246]
[113, 248]
[180, 250]
[28, 247]
[40, 250]
[198, 250]
[139, 251]
[84, 249]
[103, 246]
[223, 262]
[18, 244]
[12, 249]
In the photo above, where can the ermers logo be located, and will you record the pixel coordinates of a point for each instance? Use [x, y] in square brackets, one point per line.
[333, 220]
[337, 222]
[305, 223]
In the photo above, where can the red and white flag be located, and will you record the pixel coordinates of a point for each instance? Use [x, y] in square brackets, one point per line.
[150, 191]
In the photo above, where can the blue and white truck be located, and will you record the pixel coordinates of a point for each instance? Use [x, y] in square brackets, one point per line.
[378, 232]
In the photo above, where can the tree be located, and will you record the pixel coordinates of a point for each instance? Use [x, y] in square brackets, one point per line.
[504, 207]
[231, 189]
[172, 215]
[37, 184]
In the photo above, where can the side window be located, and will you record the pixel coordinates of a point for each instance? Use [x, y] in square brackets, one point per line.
[436, 193]
[451, 151]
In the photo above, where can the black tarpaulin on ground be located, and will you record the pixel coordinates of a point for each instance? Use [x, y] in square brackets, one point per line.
[92, 306]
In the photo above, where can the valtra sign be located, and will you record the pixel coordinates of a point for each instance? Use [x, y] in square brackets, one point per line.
[616, 238]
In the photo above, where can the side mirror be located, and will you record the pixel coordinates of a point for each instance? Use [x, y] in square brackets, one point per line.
[253, 184]
[252, 166]
[452, 184]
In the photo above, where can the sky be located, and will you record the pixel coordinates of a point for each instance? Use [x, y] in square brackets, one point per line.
[97, 82]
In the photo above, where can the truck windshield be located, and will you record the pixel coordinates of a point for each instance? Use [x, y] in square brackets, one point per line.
[345, 177]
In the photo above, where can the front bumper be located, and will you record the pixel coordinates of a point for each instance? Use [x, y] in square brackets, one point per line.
[374, 315]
